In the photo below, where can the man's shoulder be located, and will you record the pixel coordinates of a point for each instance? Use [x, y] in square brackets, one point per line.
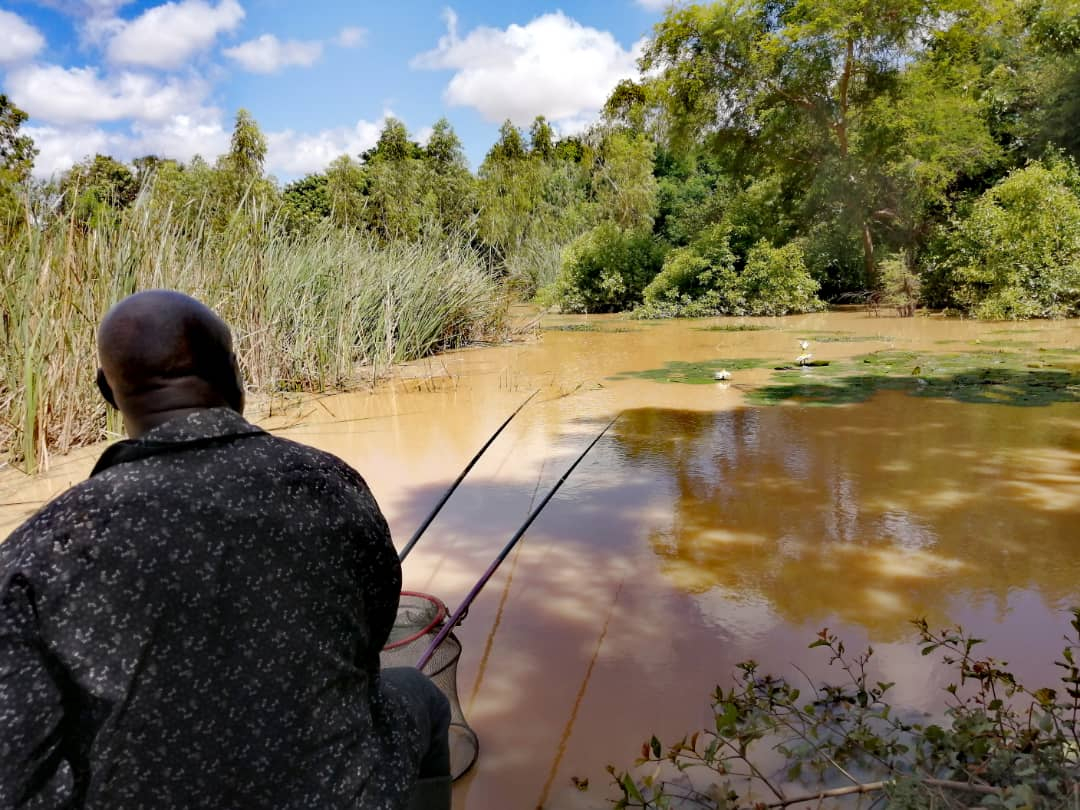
[74, 510]
[311, 457]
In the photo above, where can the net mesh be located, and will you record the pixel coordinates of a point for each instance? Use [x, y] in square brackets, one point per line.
[419, 619]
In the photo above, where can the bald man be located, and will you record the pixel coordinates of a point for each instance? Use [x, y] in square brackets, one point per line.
[198, 625]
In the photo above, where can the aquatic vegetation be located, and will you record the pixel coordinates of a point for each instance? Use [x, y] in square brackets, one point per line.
[700, 373]
[847, 337]
[991, 378]
[735, 327]
[571, 327]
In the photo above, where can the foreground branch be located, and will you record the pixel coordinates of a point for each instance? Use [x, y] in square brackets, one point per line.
[871, 787]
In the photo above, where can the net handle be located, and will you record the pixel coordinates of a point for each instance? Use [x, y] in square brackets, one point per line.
[440, 616]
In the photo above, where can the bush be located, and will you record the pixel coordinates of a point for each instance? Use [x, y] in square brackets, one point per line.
[697, 280]
[775, 281]
[1017, 254]
[701, 280]
[607, 268]
[1001, 743]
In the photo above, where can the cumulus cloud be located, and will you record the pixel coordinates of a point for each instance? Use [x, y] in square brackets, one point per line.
[181, 137]
[293, 153]
[18, 39]
[80, 95]
[552, 66]
[656, 5]
[351, 37]
[60, 149]
[166, 36]
[268, 54]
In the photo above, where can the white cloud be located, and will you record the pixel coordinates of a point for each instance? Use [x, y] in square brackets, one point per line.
[166, 36]
[79, 95]
[18, 39]
[656, 5]
[268, 54]
[295, 153]
[351, 37]
[60, 149]
[552, 66]
[180, 137]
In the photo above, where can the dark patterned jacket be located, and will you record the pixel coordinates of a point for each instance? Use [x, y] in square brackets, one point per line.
[198, 625]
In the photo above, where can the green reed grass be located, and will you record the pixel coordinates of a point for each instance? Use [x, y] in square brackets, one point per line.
[309, 314]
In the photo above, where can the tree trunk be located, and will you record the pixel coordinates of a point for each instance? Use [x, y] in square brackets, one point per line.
[869, 265]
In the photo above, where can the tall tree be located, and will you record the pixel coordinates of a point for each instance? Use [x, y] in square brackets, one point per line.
[17, 150]
[787, 85]
[448, 186]
[541, 139]
[247, 149]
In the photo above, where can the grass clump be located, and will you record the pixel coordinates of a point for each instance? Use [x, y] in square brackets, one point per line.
[307, 312]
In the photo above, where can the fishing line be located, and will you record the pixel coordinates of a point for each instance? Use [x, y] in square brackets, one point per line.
[446, 496]
[454, 620]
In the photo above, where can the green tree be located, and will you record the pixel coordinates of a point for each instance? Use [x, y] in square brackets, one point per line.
[247, 150]
[509, 146]
[786, 86]
[1017, 254]
[17, 153]
[624, 186]
[447, 183]
[306, 202]
[541, 139]
[393, 173]
[346, 185]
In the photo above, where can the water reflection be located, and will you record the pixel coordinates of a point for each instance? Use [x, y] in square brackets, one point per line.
[872, 513]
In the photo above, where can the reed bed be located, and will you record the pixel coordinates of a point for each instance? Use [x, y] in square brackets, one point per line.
[313, 313]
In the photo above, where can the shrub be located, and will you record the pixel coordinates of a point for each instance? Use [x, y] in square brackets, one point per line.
[775, 281]
[607, 268]
[696, 281]
[1017, 254]
[1001, 743]
[701, 280]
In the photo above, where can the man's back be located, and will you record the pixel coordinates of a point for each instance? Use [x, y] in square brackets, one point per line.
[198, 625]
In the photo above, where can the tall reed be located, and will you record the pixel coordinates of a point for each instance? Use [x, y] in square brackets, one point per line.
[309, 314]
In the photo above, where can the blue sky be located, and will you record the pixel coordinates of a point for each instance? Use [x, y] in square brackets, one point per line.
[128, 78]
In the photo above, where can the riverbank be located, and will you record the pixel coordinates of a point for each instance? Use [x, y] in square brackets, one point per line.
[313, 313]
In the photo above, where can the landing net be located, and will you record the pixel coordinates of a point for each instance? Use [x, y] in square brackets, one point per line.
[419, 619]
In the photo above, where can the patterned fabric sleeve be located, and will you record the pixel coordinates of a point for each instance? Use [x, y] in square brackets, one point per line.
[31, 708]
[380, 556]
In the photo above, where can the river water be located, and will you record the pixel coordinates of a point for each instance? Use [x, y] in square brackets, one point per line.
[711, 526]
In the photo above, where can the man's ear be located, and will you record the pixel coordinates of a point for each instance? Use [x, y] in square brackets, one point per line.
[103, 387]
[235, 396]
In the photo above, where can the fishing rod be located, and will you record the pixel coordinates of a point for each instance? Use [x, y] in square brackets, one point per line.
[455, 619]
[446, 496]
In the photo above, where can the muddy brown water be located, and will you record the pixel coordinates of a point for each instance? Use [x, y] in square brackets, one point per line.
[704, 530]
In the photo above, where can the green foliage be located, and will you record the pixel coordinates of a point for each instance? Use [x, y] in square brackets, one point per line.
[541, 139]
[775, 281]
[1002, 744]
[17, 151]
[17, 154]
[697, 280]
[624, 187]
[97, 187]
[607, 269]
[1017, 253]
[702, 280]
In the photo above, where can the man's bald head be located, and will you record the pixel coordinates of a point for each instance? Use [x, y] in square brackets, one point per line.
[163, 353]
